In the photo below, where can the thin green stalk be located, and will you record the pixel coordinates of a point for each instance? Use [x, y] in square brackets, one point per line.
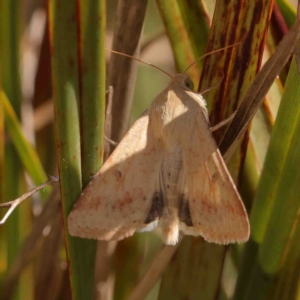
[276, 205]
[284, 147]
[288, 11]
[25, 150]
[63, 26]
[92, 101]
[187, 25]
[10, 81]
[2, 174]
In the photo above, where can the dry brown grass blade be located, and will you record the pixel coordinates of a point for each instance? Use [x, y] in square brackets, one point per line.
[154, 272]
[121, 76]
[51, 209]
[64, 291]
[153, 38]
[43, 115]
[45, 283]
[14, 203]
[122, 71]
[104, 275]
[257, 91]
[57, 283]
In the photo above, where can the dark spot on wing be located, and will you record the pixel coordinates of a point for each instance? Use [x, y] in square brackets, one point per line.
[184, 211]
[156, 209]
[118, 174]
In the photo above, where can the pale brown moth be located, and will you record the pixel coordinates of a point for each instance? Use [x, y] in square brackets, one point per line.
[168, 173]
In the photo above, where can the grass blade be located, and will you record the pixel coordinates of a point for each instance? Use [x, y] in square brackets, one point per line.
[274, 214]
[10, 16]
[25, 150]
[122, 71]
[187, 25]
[63, 29]
[258, 90]
[92, 101]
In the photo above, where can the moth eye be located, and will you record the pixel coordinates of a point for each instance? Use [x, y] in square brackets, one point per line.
[189, 84]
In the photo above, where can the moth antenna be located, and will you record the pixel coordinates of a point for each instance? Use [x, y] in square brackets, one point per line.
[209, 53]
[211, 87]
[139, 60]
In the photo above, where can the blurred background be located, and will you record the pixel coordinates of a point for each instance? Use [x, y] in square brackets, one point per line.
[33, 260]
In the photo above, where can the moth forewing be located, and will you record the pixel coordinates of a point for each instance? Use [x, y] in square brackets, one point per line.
[117, 200]
[166, 171]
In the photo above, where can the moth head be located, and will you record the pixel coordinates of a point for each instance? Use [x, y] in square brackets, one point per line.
[184, 81]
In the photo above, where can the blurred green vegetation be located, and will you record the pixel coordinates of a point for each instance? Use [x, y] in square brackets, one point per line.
[52, 55]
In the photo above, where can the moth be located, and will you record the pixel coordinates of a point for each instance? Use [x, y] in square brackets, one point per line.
[166, 173]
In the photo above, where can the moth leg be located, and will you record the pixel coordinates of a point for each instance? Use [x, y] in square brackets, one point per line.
[109, 96]
[109, 145]
[111, 142]
[223, 123]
